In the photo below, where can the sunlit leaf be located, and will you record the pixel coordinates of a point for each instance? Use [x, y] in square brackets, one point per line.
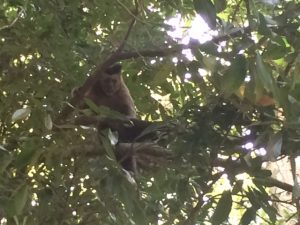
[107, 147]
[130, 178]
[113, 137]
[21, 114]
[48, 122]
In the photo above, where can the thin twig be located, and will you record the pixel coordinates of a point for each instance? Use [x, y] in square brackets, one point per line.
[13, 22]
[236, 10]
[121, 47]
[248, 13]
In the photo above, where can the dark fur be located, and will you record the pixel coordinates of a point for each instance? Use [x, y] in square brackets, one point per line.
[114, 94]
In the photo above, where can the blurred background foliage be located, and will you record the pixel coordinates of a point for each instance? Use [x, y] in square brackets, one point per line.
[231, 103]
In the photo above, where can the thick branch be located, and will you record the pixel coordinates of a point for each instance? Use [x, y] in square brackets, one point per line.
[272, 182]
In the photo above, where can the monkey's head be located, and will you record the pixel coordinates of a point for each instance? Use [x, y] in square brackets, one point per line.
[111, 80]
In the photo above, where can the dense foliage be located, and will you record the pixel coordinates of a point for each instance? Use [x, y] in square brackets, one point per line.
[227, 105]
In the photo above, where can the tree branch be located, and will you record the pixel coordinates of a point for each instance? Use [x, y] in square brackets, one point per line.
[239, 167]
[272, 182]
[118, 55]
[296, 184]
[13, 22]
[110, 59]
[193, 213]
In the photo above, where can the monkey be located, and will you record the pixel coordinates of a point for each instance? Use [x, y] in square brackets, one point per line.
[111, 91]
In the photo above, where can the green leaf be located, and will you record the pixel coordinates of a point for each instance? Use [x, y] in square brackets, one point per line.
[207, 11]
[20, 114]
[264, 74]
[105, 111]
[253, 198]
[223, 209]
[234, 76]
[113, 137]
[209, 48]
[263, 28]
[17, 203]
[270, 210]
[263, 198]
[107, 146]
[275, 51]
[28, 154]
[48, 122]
[248, 216]
[5, 160]
[20, 199]
[161, 75]
[220, 5]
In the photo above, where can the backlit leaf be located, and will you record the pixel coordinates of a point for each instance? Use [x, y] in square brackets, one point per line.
[248, 216]
[207, 11]
[223, 208]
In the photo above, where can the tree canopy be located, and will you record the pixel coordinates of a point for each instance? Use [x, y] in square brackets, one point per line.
[218, 81]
